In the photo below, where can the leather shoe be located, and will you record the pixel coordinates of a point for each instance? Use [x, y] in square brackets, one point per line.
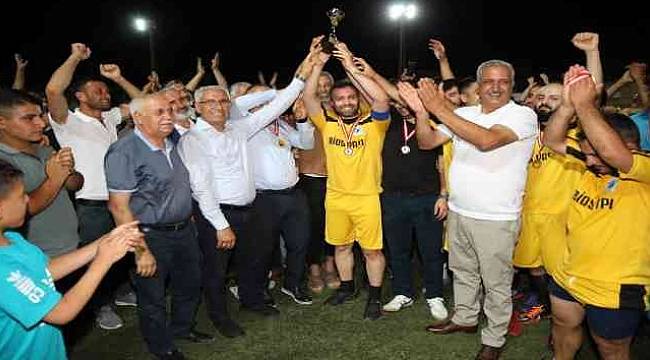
[229, 328]
[196, 337]
[488, 352]
[449, 328]
[264, 310]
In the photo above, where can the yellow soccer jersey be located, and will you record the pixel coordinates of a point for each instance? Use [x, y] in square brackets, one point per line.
[607, 260]
[551, 178]
[356, 171]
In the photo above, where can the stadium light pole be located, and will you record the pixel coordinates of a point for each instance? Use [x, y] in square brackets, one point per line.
[142, 25]
[402, 12]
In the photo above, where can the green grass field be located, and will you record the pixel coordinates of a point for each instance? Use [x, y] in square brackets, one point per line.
[324, 332]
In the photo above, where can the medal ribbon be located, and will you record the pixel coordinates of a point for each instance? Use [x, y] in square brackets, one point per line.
[348, 135]
[407, 135]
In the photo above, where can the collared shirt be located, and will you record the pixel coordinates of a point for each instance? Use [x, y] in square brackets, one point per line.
[53, 230]
[155, 178]
[489, 185]
[273, 161]
[221, 170]
[89, 139]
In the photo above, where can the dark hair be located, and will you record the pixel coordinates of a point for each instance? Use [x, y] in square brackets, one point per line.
[449, 84]
[10, 98]
[340, 84]
[9, 175]
[466, 82]
[623, 125]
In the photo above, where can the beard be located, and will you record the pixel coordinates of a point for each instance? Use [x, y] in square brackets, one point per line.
[543, 116]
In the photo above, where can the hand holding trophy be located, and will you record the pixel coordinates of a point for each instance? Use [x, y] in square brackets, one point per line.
[335, 15]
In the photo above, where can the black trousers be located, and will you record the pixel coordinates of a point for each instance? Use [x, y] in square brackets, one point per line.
[177, 260]
[315, 189]
[215, 262]
[94, 221]
[287, 214]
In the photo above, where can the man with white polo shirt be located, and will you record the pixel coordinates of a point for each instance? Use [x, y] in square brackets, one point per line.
[492, 143]
[89, 131]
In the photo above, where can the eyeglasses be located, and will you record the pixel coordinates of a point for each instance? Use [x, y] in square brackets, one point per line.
[211, 102]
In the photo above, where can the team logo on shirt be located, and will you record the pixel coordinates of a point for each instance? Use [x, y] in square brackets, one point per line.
[358, 131]
[612, 184]
[583, 199]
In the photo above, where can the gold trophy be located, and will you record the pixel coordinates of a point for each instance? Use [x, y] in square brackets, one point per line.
[335, 15]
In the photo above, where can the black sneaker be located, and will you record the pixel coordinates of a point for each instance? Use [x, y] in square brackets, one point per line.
[268, 299]
[263, 310]
[373, 310]
[229, 328]
[340, 297]
[196, 337]
[297, 294]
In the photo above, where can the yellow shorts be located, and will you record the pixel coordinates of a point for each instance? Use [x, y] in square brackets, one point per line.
[542, 241]
[353, 217]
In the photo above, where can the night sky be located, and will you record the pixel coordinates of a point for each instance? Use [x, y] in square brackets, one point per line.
[274, 35]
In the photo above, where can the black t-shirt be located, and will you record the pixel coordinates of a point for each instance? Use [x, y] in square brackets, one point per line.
[414, 172]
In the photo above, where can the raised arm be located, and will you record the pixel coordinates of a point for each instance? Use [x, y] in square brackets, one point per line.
[441, 54]
[389, 88]
[588, 42]
[557, 126]
[60, 80]
[312, 102]
[622, 81]
[113, 72]
[605, 140]
[377, 96]
[19, 78]
[214, 65]
[196, 80]
[638, 73]
[428, 137]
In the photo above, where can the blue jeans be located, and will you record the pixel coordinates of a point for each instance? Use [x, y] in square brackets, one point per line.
[403, 215]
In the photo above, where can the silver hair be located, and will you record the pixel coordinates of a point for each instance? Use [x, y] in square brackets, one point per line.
[137, 104]
[491, 63]
[328, 75]
[233, 87]
[198, 94]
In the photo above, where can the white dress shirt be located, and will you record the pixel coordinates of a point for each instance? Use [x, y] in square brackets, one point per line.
[89, 139]
[273, 162]
[221, 170]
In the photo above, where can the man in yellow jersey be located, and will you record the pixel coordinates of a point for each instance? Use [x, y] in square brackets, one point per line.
[551, 178]
[353, 141]
[605, 271]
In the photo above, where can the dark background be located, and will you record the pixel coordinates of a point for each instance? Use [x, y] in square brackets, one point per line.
[274, 35]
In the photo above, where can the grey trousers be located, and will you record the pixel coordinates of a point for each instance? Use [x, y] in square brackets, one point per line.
[481, 251]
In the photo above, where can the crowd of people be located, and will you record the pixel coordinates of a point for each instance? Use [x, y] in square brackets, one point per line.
[229, 189]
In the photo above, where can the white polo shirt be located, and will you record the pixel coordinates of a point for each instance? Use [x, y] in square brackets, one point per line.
[489, 185]
[89, 140]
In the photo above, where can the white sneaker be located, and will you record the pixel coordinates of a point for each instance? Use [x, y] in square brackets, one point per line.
[437, 308]
[398, 303]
